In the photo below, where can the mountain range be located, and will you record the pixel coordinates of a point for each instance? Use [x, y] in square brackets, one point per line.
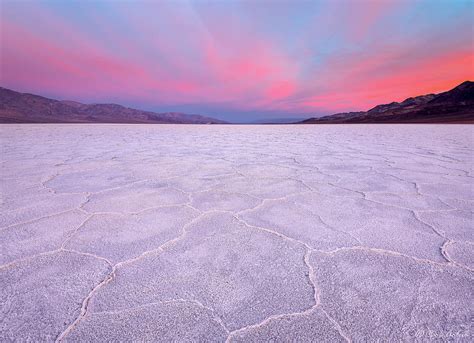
[18, 107]
[453, 106]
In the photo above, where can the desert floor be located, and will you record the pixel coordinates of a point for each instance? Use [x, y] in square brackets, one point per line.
[240, 233]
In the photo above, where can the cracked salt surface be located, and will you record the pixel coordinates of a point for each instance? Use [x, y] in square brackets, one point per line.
[236, 233]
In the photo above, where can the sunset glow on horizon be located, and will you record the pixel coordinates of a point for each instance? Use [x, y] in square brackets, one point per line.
[237, 60]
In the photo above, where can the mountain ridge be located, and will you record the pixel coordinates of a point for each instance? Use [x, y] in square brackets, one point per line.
[455, 105]
[16, 107]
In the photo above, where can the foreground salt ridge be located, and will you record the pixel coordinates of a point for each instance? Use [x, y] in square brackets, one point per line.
[351, 192]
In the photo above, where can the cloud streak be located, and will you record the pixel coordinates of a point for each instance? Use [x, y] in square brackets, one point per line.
[237, 60]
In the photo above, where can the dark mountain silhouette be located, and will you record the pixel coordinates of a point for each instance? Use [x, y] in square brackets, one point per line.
[18, 107]
[453, 106]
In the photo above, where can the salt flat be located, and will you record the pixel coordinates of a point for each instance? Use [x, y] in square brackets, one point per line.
[239, 233]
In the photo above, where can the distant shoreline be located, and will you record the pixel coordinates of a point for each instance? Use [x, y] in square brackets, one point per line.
[469, 122]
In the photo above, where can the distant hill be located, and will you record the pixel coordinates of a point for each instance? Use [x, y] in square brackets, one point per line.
[455, 105]
[18, 107]
[276, 120]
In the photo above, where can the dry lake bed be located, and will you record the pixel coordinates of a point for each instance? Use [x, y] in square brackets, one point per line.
[241, 233]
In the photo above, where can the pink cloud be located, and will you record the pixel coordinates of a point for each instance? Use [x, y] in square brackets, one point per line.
[372, 84]
[189, 57]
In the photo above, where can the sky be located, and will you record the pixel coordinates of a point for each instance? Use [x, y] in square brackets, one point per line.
[239, 61]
